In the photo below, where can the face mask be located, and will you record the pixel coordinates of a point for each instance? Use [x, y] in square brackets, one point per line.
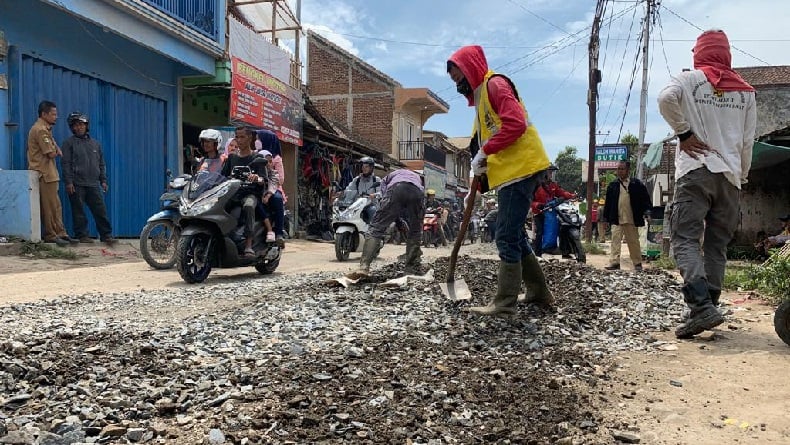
[463, 87]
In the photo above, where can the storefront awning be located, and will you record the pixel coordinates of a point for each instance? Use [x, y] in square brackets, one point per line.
[766, 155]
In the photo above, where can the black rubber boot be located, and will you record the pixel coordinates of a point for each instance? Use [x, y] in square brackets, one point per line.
[508, 286]
[703, 315]
[413, 257]
[535, 282]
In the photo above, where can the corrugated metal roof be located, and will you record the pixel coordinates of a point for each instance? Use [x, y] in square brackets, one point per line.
[763, 76]
[266, 15]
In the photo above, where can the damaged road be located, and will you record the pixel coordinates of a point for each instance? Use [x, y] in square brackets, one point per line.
[288, 359]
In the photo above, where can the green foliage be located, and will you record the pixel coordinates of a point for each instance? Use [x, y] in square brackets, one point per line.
[41, 251]
[633, 144]
[569, 175]
[770, 279]
[665, 262]
[593, 248]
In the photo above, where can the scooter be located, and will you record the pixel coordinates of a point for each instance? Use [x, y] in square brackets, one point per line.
[349, 222]
[570, 224]
[430, 227]
[159, 237]
[211, 233]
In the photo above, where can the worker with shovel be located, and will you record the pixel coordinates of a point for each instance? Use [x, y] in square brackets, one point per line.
[402, 196]
[512, 155]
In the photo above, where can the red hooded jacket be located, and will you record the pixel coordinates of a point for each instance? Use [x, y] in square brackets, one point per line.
[546, 192]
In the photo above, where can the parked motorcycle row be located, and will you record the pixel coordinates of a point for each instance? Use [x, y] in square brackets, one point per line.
[200, 227]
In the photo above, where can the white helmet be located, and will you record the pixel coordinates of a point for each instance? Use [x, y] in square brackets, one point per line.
[211, 135]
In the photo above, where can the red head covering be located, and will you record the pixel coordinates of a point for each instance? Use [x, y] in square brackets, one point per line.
[712, 56]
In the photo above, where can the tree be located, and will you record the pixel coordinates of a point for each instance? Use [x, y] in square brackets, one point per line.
[569, 175]
[633, 149]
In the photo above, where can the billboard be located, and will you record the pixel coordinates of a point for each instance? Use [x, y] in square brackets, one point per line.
[262, 101]
[607, 156]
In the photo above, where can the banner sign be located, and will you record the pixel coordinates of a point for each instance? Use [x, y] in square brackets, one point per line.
[608, 156]
[262, 101]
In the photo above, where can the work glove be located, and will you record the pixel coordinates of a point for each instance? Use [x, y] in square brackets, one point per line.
[477, 168]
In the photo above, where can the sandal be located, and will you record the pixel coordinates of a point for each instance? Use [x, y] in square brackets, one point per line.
[249, 252]
[270, 238]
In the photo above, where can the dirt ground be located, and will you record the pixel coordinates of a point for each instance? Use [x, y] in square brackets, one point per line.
[730, 389]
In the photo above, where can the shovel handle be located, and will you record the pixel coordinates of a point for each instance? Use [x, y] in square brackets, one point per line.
[459, 239]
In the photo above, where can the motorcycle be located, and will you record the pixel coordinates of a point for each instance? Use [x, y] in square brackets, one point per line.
[570, 224]
[782, 321]
[474, 228]
[430, 227]
[349, 222]
[159, 237]
[211, 235]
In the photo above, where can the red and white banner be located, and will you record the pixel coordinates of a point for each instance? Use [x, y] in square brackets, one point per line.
[263, 101]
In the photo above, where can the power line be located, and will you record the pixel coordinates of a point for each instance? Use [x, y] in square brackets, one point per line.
[661, 36]
[538, 16]
[732, 46]
[620, 71]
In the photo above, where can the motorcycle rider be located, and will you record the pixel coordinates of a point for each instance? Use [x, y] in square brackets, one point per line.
[210, 140]
[546, 190]
[490, 218]
[434, 205]
[263, 176]
[367, 183]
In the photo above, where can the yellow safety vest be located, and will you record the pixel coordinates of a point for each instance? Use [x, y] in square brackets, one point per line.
[522, 158]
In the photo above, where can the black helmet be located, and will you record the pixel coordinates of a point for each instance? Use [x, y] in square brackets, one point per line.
[368, 160]
[77, 116]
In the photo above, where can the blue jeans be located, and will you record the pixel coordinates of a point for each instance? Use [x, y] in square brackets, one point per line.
[514, 202]
[276, 210]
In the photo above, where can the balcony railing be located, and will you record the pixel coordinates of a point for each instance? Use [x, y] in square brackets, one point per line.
[420, 151]
[411, 150]
[200, 15]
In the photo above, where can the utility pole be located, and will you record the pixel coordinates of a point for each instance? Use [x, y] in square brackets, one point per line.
[640, 170]
[592, 102]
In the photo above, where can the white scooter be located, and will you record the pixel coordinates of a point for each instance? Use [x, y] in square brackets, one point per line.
[348, 222]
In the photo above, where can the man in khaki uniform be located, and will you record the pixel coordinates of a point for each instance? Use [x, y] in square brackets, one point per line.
[627, 205]
[41, 154]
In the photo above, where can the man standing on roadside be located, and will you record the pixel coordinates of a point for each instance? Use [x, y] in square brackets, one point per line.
[512, 155]
[627, 205]
[714, 115]
[41, 154]
[85, 176]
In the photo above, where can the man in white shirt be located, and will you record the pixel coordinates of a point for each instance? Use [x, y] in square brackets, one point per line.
[713, 112]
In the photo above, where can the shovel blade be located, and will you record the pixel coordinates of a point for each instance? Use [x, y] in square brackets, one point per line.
[456, 290]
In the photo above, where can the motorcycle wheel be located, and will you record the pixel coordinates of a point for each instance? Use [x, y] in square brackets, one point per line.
[267, 267]
[194, 259]
[782, 321]
[343, 246]
[158, 243]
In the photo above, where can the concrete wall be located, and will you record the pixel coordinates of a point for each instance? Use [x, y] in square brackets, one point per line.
[764, 199]
[773, 111]
[19, 204]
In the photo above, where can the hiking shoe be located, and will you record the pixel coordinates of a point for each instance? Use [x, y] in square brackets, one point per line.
[612, 267]
[110, 241]
[71, 240]
[707, 318]
[61, 242]
[86, 240]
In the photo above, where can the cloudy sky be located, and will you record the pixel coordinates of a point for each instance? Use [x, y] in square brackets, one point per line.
[542, 46]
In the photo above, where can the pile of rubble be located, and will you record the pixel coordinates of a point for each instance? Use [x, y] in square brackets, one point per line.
[287, 359]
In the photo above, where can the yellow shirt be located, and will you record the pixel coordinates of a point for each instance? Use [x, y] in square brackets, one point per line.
[39, 143]
[625, 214]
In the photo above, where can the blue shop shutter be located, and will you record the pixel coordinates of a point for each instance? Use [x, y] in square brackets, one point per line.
[130, 126]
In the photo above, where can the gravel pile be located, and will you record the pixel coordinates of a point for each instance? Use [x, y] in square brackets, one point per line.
[286, 359]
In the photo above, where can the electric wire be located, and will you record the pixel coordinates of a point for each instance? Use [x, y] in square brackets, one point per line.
[700, 29]
[619, 71]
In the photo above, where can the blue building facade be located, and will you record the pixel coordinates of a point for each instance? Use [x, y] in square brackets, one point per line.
[122, 63]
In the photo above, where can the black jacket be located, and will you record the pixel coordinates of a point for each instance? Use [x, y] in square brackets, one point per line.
[640, 202]
[83, 162]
